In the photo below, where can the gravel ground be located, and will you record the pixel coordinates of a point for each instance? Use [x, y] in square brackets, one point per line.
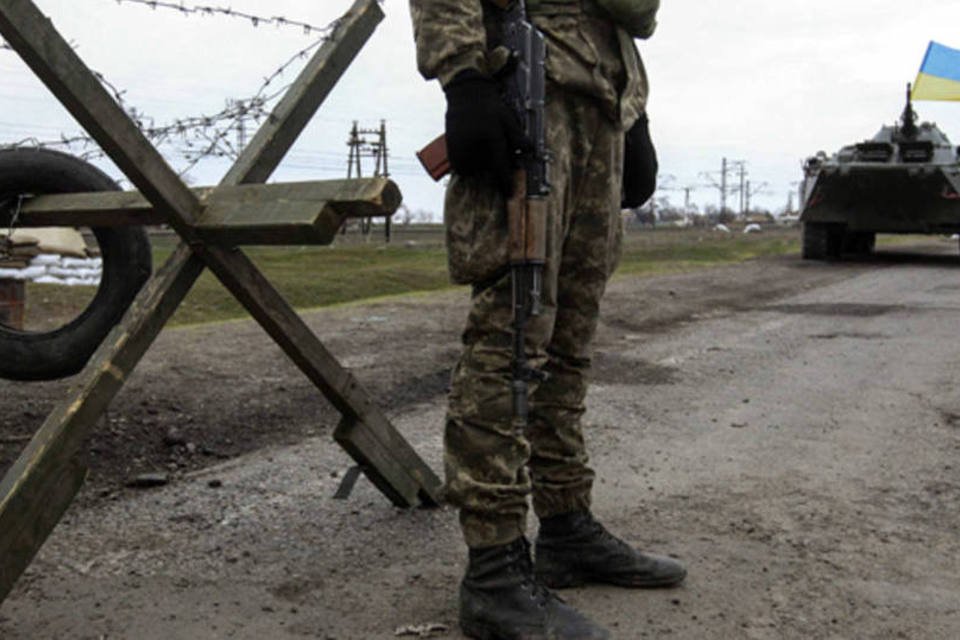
[789, 429]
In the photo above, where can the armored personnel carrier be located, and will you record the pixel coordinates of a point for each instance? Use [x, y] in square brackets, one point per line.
[906, 179]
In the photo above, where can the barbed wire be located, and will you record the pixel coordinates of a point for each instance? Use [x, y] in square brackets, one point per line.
[201, 136]
[198, 137]
[206, 10]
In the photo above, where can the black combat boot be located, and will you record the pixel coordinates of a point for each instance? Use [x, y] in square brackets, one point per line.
[574, 549]
[501, 600]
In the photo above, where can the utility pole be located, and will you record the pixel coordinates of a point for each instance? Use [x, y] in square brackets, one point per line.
[723, 187]
[354, 167]
[744, 198]
[751, 191]
[241, 135]
[241, 124]
[723, 184]
[361, 147]
[383, 170]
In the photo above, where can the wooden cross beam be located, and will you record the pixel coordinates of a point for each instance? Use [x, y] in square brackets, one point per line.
[287, 213]
[44, 480]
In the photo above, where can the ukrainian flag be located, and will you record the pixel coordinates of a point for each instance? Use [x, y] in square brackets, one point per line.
[939, 77]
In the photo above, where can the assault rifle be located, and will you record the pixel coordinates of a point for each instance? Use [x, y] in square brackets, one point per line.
[523, 83]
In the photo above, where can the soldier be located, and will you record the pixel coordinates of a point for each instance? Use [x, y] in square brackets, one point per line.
[596, 91]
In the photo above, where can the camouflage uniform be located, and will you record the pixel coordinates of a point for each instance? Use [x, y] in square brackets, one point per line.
[596, 90]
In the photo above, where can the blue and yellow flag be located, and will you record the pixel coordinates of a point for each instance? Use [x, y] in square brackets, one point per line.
[939, 77]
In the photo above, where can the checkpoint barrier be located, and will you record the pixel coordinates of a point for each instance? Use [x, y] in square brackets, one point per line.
[212, 223]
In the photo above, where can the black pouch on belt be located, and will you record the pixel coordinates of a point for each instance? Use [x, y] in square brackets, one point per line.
[639, 165]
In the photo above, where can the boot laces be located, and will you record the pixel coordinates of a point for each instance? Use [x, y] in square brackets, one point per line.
[600, 533]
[539, 593]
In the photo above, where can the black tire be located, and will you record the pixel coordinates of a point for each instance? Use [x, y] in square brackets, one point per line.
[814, 241]
[859, 243]
[127, 263]
[822, 241]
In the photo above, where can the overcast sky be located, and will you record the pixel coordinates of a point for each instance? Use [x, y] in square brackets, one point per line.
[768, 82]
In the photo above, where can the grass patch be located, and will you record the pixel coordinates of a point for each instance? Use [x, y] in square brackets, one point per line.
[680, 250]
[350, 271]
[354, 269]
[321, 276]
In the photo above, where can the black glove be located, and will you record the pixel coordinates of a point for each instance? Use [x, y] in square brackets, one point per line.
[639, 165]
[484, 136]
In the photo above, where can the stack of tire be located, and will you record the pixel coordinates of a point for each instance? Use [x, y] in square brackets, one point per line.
[126, 266]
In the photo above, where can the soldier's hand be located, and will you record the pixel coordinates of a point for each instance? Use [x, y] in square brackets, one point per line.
[484, 136]
[639, 165]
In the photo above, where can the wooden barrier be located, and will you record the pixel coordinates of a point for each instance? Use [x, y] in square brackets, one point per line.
[211, 223]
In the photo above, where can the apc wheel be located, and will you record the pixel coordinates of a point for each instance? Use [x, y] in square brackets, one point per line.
[859, 243]
[822, 241]
[26, 355]
[814, 241]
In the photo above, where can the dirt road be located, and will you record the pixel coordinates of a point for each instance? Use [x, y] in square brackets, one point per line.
[790, 430]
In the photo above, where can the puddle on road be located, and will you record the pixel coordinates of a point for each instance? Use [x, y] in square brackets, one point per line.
[848, 309]
[945, 288]
[950, 418]
[853, 335]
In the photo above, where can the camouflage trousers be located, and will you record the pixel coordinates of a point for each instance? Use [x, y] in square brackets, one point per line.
[490, 469]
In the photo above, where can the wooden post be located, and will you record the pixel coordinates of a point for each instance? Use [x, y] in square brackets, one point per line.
[43, 481]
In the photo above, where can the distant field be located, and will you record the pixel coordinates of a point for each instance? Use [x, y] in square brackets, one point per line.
[416, 261]
[675, 250]
[355, 268]
[351, 269]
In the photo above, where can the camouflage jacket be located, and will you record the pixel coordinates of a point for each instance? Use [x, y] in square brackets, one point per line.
[586, 53]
